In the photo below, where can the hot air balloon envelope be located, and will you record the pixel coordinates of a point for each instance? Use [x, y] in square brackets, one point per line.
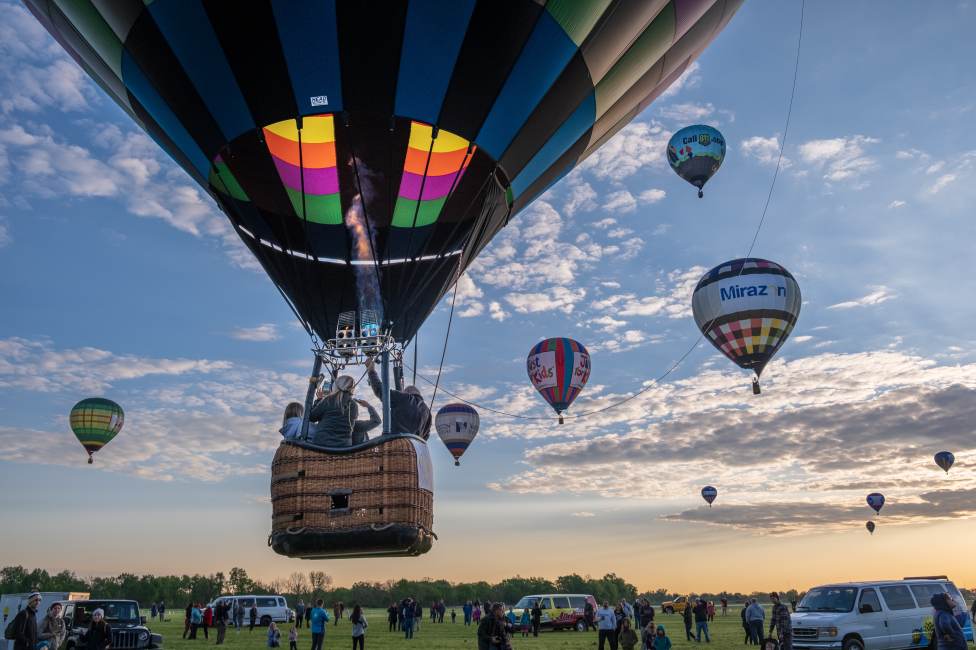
[559, 369]
[876, 500]
[457, 425]
[709, 493]
[870, 526]
[95, 421]
[747, 308]
[695, 153]
[945, 459]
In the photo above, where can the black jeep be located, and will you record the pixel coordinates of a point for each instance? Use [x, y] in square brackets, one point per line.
[129, 631]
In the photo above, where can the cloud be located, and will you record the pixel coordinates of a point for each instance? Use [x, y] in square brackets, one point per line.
[582, 196]
[5, 236]
[687, 112]
[621, 201]
[841, 159]
[894, 205]
[672, 298]
[764, 150]
[496, 311]
[800, 339]
[634, 147]
[261, 333]
[877, 296]
[584, 514]
[563, 299]
[651, 196]
[941, 183]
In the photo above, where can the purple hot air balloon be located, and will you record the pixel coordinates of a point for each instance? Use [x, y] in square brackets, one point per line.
[709, 493]
[876, 500]
[945, 459]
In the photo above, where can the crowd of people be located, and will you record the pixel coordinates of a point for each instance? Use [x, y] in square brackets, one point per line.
[334, 416]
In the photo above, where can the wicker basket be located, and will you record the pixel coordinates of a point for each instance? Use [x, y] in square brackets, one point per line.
[374, 499]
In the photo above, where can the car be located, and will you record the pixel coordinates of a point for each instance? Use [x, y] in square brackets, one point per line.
[559, 611]
[270, 608]
[677, 605]
[129, 631]
[876, 615]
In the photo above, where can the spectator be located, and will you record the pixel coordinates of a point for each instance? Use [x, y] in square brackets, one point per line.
[418, 614]
[467, 610]
[510, 616]
[793, 603]
[525, 621]
[299, 612]
[253, 614]
[647, 614]
[408, 615]
[711, 611]
[589, 616]
[308, 615]
[186, 620]
[659, 640]
[536, 617]
[453, 616]
[701, 621]
[391, 617]
[207, 621]
[627, 638]
[755, 617]
[196, 620]
[358, 620]
[318, 617]
[99, 634]
[25, 624]
[274, 636]
[607, 626]
[293, 637]
[408, 412]
[238, 615]
[618, 613]
[780, 621]
[745, 623]
[152, 612]
[476, 613]
[725, 605]
[220, 618]
[498, 626]
[291, 423]
[947, 630]
[52, 631]
[336, 612]
[162, 610]
[686, 618]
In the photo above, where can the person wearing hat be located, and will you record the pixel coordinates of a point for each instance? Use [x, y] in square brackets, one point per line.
[336, 416]
[25, 624]
[99, 634]
[781, 622]
[408, 411]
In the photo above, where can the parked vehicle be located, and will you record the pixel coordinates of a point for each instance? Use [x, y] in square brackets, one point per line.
[270, 608]
[559, 611]
[880, 615]
[675, 606]
[129, 631]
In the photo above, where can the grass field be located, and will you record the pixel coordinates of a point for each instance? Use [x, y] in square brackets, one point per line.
[726, 633]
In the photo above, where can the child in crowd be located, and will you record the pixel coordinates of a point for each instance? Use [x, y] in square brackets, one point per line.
[274, 636]
[453, 615]
[526, 622]
[292, 638]
[659, 640]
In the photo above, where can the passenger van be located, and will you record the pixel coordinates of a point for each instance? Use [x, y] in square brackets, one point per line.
[882, 615]
[270, 608]
[559, 611]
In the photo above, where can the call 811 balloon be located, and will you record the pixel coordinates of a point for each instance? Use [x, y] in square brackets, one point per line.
[945, 459]
[95, 421]
[709, 493]
[747, 308]
[876, 500]
[559, 369]
[457, 425]
[695, 153]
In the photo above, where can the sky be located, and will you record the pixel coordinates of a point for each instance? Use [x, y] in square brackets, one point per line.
[119, 277]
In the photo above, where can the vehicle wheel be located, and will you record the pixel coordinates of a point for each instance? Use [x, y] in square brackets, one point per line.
[669, 610]
[265, 621]
[853, 644]
[581, 626]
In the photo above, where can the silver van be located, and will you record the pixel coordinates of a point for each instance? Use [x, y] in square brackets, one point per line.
[881, 615]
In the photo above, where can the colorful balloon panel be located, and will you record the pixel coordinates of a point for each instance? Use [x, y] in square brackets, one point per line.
[695, 153]
[876, 500]
[747, 308]
[279, 112]
[95, 421]
[559, 369]
[945, 459]
[457, 425]
[709, 493]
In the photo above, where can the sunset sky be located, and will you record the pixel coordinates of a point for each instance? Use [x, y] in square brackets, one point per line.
[119, 277]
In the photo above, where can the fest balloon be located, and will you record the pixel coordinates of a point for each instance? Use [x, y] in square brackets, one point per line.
[381, 142]
[95, 422]
[876, 500]
[457, 425]
[695, 153]
[559, 369]
[709, 493]
[945, 459]
[747, 308]
[870, 526]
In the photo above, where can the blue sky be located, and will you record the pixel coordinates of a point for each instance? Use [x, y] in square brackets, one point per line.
[120, 278]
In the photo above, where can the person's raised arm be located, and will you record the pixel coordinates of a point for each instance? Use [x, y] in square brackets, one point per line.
[360, 428]
[374, 379]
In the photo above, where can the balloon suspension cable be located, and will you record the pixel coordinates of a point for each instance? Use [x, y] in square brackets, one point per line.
[447, 336]
[657, 380]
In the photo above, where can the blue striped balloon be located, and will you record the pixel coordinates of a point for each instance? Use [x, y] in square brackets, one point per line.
[709, 493]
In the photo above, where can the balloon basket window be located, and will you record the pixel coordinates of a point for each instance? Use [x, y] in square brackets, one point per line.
[370, 500]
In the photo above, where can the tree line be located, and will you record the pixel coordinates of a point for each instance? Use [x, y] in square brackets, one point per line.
[176, 591]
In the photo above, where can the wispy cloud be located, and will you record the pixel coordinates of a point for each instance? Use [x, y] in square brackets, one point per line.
[764, 150]
[941, 183]
[688, 79]
[260, 333]
[841, 159]
[686, 112]
[897, 203]
[877, 296]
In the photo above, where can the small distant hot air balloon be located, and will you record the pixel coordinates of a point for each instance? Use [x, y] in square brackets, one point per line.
[876, 500]
[870, 526]
[457, 425]
[945, 459]
[709, 493]
[695, 153]
[95, 421]
[559, 368]
[747, 308]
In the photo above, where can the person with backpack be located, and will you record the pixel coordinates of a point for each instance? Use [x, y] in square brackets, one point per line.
[22, 630]
[359, 625]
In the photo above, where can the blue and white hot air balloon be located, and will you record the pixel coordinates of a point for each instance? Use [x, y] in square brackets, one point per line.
[457, 425]
[876, 500]
[709, 493]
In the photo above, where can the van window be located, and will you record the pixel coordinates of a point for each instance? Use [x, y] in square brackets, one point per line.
[281, 602]
[828, 599]
[267, 602]
[869, 602]
[578, 602]
[526, 602]
[898, 597]
[545, 603]
[560, 602]
[246, 602]
[956, 596]
[923, 593]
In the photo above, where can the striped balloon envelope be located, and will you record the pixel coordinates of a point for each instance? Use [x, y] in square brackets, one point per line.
[559, 368]
[709, 493]
[457, 425]
[747, 308]
[95, 422]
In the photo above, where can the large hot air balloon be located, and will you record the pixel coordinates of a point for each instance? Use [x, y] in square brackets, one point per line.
[945, 459]
[747, 308]
[95, 421]
[876, 500]
[558, 368]
[367, 152]
[870, 526]
[709, 493]
[695, 153]
[457, 425]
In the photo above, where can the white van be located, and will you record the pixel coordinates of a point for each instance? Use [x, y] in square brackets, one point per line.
[882, 615]
[270, 608]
